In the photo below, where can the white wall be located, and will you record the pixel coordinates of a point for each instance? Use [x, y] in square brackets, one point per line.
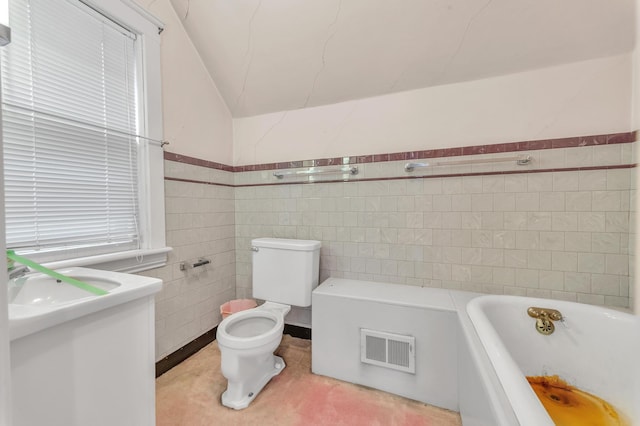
[197, 122]
[585, 98]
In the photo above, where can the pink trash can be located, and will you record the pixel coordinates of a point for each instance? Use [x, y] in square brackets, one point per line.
[237, 305]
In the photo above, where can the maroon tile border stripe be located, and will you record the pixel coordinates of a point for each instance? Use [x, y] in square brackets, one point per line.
[197, 161]
[203, 182]
[506, 172]
[573, 142]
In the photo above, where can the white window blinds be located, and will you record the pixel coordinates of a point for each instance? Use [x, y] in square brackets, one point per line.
[69, 99]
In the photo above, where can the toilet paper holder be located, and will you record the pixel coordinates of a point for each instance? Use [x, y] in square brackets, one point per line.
[200, 262]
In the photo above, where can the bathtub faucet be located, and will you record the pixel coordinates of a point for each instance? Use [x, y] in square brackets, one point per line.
[544, 319]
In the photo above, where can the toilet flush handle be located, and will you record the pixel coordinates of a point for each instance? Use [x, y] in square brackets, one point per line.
[254, 248]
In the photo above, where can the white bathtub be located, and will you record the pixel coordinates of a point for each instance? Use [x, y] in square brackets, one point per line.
[594, 349]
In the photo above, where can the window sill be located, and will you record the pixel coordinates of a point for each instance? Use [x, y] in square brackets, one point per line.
[127, 261]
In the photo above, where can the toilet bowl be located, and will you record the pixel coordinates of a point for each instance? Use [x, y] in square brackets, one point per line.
[247, 340]
[284, 274]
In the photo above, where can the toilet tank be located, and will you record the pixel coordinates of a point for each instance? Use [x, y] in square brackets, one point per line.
[285, 271]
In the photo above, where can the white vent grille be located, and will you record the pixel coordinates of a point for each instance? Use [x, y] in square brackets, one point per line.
[388, 350]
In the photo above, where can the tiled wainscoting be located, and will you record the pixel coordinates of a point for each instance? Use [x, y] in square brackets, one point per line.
[492, 228]
[558, 227]
[200, 223]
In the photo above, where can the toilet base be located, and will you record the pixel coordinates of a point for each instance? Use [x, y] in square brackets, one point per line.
[245, 400]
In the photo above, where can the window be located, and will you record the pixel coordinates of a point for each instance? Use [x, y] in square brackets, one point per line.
[79, 155]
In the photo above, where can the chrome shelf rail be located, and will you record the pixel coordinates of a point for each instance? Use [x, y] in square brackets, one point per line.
[352, 170]
[521, 160]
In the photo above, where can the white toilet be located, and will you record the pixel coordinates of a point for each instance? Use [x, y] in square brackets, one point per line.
[284, 273]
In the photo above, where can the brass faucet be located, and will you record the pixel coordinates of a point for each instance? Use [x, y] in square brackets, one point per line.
[544, 319]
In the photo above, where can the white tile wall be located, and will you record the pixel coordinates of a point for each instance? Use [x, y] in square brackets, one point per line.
[200, 222]
[562, 235]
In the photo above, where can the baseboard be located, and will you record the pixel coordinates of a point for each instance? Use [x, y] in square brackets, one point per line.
[297, 331]
[175, 358]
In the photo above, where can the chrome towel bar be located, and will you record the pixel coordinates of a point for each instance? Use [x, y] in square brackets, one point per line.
[353, 170]
[521, 160]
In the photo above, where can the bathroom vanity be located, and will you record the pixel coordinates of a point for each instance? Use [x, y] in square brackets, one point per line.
[88, 360]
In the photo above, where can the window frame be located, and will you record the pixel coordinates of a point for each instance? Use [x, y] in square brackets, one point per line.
[153, 250]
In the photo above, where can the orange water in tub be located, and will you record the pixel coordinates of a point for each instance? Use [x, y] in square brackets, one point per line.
[569, 406]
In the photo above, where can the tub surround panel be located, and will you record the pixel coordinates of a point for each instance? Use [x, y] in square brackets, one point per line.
[480, 396]
[340, 311]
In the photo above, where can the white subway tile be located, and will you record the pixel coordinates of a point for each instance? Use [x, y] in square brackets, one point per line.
[442, 203]
[471, 220]
[578, 201]
[577, 282]
[526, 201]
[452, 220]
[481, 238]
[452, 254]
[566, 181]
[539, 221]
[515, 183]
[618, 179]
[424, 270]
[452, 185]
[591, 221]
[515, 291]
[539, 182]
[461, 273]
[591, 180]
[552, 201]
[605, 242]
[527, 240]
[504, 276]
[565, 261]
[481, 274]
[471, 256]
[527, 278]
[472, 184]
[515, 220]
[538, 259]
[591, 262]
[607, 285]
[593, 299]
[577, 241]
[492, 257]
[504, 239]
[562, 295]
[493, 184]
[461, 202]
[617, 264]
[514, 258]
[622, 302]
[607, 200]
[504, 201]
[552, 280]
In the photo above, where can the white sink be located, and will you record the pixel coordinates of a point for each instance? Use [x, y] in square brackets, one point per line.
[37, 301]
[43, 290]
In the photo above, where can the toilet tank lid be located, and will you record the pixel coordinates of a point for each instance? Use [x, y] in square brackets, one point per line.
[286, 244]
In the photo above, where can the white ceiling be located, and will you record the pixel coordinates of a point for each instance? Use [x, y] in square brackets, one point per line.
[275, 55]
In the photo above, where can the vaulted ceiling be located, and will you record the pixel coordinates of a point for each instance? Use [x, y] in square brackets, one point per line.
[274, 55]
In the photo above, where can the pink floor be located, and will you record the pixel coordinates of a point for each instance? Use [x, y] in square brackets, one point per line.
[189, 395]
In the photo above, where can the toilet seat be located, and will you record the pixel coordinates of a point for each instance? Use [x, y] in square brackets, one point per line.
[250, 328]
